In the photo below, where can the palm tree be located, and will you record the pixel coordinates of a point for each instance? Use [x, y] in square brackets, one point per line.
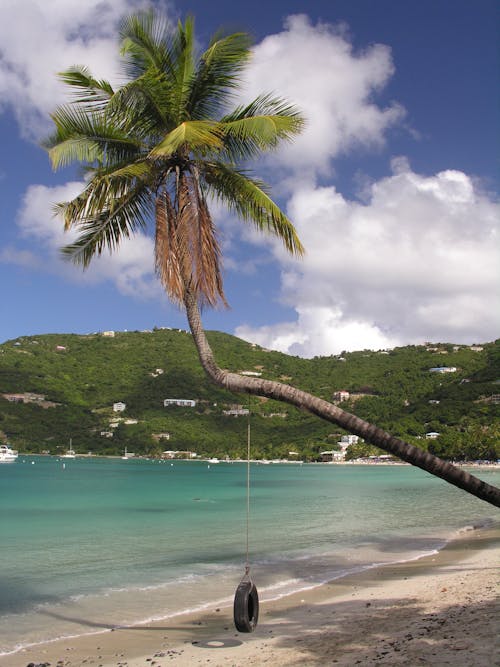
[155, 149]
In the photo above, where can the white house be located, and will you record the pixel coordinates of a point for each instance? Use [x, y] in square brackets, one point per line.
[119, 407]
[349, 440]
[432, 435]
[181, 402]
[341, 395]
[161, 436]
[108, 334]
[236, 412]
[443, 369]
[332, 455]
[178, 454]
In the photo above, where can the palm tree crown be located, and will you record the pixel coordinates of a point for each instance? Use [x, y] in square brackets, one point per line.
[158, 146]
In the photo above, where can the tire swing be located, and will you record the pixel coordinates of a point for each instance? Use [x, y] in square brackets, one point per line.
[246, 598]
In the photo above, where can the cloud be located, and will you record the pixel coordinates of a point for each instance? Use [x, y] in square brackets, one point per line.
[130, 269]
[317, 68]
[418, 261]
[42, 37]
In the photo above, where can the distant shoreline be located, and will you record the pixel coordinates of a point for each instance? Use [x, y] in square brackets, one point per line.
[493, 465]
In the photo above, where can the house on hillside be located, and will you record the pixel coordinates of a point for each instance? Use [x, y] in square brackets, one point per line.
[236, 412]
[160, 436]
[178, 454]
[332, 456]
[108, 334]
[119, 407]
[180, 402]
[349, 440]
[341, 395]
[443, 369]
[432, 435]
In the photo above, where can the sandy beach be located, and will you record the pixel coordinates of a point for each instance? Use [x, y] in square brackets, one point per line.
[437, 610]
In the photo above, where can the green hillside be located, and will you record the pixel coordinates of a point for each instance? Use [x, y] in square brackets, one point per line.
[60, 386]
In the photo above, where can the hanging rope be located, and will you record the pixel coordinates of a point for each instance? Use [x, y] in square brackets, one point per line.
[247, 565]
[246, 599]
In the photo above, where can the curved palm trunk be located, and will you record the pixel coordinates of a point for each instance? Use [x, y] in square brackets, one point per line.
[332, 413]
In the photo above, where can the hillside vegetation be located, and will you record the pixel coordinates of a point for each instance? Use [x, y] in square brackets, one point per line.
[61, 386]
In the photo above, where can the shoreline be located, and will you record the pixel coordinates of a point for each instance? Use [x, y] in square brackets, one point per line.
[489, 465]
[437, 609]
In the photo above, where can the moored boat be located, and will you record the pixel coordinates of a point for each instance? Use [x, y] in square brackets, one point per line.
[7, 455]
[70, 454]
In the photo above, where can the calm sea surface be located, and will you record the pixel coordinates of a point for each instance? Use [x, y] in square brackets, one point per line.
[86, 545]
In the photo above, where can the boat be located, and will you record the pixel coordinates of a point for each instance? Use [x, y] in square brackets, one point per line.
[7, 455]
[70, 454]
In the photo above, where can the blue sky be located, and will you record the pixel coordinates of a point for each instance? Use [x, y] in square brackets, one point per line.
[393, 187]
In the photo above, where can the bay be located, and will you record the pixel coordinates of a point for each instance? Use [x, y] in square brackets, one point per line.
[91, 544]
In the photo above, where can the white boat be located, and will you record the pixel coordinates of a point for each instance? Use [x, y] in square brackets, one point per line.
[70, 454]
[7, 455]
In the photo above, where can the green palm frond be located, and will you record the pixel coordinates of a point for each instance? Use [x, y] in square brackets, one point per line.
[196, 135]
[248, 134]
[185, 68]
[218, 74]
[104, 214]
[86, 137]
[89, 91]
[248, 198]
[146, 42]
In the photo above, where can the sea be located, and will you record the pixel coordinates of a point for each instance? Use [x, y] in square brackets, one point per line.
[90, 544]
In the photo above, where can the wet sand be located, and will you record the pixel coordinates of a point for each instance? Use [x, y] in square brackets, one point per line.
[438, 610]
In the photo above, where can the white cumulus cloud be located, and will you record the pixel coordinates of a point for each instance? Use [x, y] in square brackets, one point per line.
[317, 68]
[418, 261]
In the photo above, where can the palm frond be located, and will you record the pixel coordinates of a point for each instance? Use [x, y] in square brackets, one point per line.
[82, 136]
[143, 107]
[218, 74]
[196, 135]
[248, 198]
[167, 256]
[89, 91]
[104, 214]
[147, 42]
[187, 252]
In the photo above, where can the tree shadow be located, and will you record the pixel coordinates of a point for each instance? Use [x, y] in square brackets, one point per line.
[386, 631]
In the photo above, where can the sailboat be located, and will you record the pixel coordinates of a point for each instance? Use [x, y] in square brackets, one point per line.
[70, 454]
[125, 457]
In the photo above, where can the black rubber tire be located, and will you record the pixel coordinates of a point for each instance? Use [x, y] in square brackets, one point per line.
[246, 607]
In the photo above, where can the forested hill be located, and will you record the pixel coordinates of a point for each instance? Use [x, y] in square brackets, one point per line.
[61, 386]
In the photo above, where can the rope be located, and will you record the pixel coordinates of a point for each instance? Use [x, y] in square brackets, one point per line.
[247, 564]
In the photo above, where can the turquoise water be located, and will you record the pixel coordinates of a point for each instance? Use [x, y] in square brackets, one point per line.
[89, 544]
